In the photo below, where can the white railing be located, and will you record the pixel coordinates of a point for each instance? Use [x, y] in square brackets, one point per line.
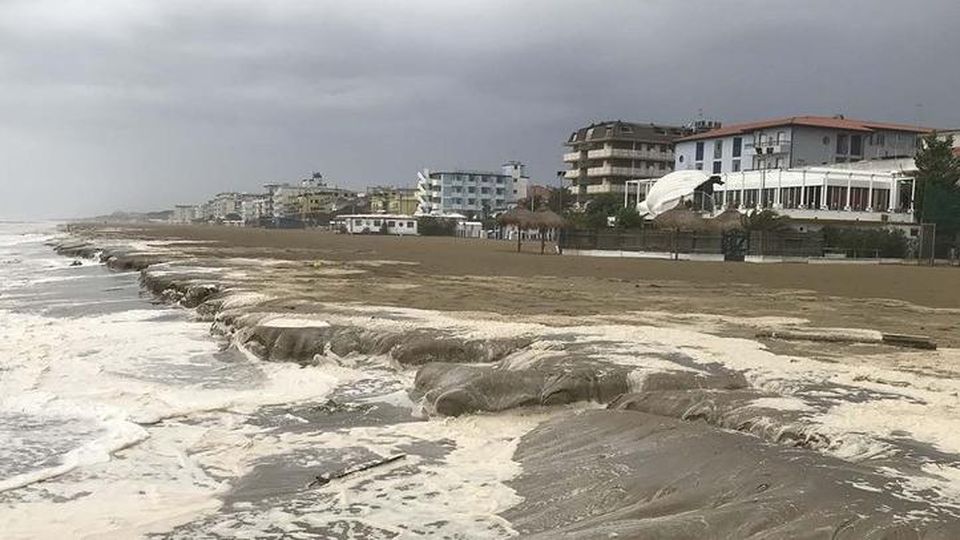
[604, 188]
[633, 172]
[624, 153]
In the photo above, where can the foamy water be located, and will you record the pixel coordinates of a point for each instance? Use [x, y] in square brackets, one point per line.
[105, 396]
[120, 418]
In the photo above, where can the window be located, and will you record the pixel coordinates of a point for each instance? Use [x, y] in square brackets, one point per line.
[859, 197]
[391, 224]
[717, 165]
[735, 166]
[790, 197]
[376, 223]
[409, 224]
[781, 138]
[836, 197]
[357, 222]
[737, 146]
[680, 159]
[843, 145]
[880, 139]
[768, 197]
[856, 145]
[699, 156]
[718, 149]
[750, 197]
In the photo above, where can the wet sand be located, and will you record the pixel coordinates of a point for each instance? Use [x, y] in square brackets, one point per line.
[489, 276]
[653, 419]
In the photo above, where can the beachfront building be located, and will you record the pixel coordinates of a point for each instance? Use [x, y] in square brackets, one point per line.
[469, 192]
[521, 182]
[604, 156]
[400, 225]
[811, 197]
[309, 200]
[224, 205]
[795, 142]
[318, 203]
[253, 209]
[392, 200]
[186, 213]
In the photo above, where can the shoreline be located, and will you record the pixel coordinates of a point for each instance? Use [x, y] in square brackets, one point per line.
[461, 360]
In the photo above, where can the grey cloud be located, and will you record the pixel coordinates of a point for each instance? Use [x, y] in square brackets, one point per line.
[145, 104]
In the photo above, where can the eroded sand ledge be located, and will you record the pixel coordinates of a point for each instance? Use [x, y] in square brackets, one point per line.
[688, 449]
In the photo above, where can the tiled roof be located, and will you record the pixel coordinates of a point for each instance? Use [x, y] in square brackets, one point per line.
[828, 122]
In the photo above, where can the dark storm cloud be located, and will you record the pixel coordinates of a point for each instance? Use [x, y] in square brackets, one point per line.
[142, 105]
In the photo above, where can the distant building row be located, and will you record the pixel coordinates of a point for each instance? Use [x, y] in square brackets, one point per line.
[475, 194]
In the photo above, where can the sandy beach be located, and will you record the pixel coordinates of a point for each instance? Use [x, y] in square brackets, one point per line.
[509, 394]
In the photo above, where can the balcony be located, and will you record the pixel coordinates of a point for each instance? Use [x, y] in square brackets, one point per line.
[770, 147]
[631, 172]
[571, 157]
[622, 153]
[593, 189]
[571, 173]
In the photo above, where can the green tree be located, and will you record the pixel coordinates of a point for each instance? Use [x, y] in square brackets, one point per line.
[629, 218]
[561, 200]
[938, 195]
[764, 220]
[936, 164]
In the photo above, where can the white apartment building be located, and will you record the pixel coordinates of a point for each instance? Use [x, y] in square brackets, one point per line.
[186, 213]
[793, 143]
[224, 204]
[253, 209]
[470, 193]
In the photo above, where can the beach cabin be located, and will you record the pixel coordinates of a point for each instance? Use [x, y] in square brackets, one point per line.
[397, 224]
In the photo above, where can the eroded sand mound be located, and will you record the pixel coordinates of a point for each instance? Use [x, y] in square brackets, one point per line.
[605, 474]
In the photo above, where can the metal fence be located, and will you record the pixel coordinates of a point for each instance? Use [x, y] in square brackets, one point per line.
[759, 243]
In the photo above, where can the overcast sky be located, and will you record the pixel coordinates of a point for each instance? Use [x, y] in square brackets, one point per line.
[126, 104]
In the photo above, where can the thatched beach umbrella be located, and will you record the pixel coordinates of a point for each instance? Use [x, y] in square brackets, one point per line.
[681, 218]
[519, 217]
[546, 220]
[728, 220]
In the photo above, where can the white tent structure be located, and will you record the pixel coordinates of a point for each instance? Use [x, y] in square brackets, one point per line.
[667, 192]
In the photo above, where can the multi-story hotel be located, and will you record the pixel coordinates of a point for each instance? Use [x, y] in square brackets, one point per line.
[604, 156]
[795, 142]
[470, 193]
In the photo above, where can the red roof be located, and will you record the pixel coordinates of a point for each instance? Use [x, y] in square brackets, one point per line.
[829, 122]
[956, 151]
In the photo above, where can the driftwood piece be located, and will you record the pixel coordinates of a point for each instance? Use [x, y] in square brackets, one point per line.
[324, 479]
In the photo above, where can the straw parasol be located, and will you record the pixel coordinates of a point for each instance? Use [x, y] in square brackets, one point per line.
[681, 218]
[521, 218]
[728, 220]
[544, 220]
